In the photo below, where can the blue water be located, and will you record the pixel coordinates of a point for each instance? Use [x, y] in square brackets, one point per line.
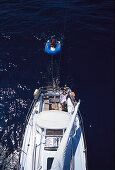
[86, 30]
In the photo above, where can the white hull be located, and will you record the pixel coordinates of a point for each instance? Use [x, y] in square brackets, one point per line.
[53, 138]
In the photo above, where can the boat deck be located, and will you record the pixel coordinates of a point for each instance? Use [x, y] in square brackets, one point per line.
[50, 130]
[53, 103]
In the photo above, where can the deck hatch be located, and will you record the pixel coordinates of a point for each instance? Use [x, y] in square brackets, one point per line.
[54, 132]
[49, 163]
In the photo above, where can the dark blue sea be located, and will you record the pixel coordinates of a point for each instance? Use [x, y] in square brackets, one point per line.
[85, 64]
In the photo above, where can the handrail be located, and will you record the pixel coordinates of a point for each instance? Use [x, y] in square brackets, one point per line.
[82, 127]
[26, 121]
[54, 89]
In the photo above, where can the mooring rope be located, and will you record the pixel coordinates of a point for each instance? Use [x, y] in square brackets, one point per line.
[52, 71]
[64, 29]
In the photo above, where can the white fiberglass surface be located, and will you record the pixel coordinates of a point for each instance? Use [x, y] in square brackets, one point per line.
[53, 119]
[70, 106]
[79, 151]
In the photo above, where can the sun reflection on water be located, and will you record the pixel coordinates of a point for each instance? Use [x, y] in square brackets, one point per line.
[13, 110]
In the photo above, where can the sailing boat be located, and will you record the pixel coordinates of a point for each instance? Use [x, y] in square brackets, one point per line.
[54, 136]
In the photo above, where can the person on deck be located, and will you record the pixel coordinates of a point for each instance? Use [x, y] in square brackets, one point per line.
[63, 100]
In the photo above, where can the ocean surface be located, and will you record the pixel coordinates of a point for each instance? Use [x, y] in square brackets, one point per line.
[85, 64]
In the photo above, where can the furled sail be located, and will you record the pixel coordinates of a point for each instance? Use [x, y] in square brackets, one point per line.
[62, 157]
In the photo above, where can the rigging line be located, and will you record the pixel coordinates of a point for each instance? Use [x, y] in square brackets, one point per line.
[59, 62]
[52, 69]
[65, 18]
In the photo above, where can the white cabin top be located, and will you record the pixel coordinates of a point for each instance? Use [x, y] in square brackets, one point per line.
[53, 119]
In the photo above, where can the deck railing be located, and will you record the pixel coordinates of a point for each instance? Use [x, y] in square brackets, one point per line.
[24, 125]
[83, 132]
